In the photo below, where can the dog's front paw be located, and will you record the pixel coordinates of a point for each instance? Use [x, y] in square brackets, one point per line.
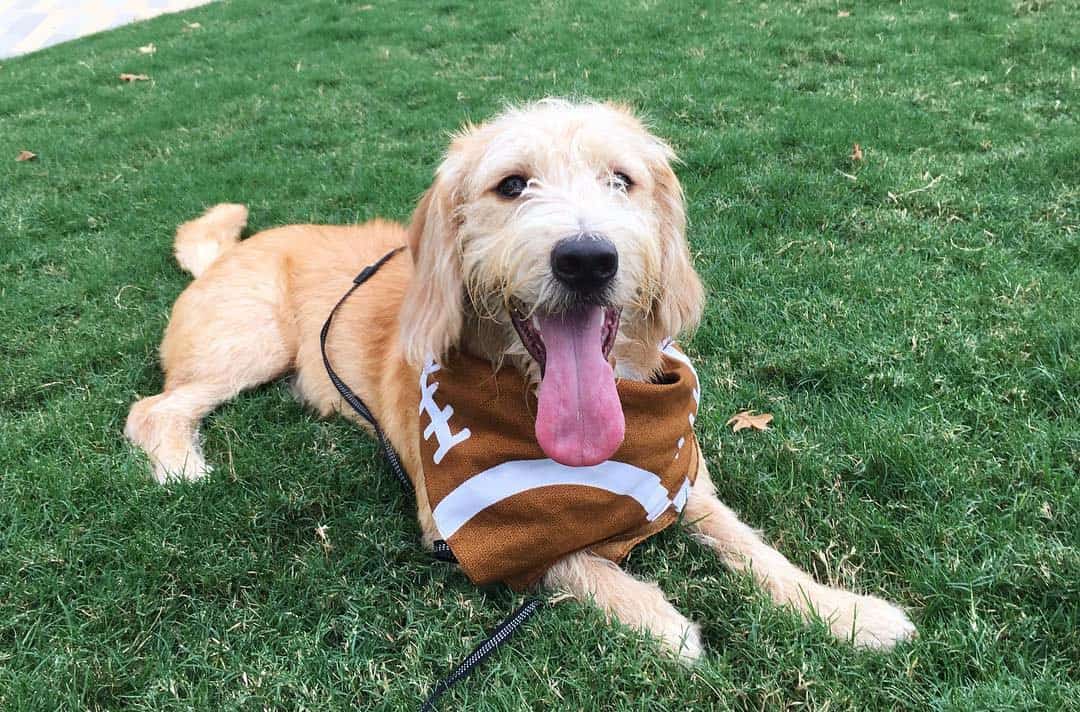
[865, 621]
[681, 638]
[189, 469]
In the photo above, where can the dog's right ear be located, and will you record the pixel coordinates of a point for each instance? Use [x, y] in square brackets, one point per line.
[431, 315]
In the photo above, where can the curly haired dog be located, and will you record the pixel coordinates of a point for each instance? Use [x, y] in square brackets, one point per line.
[547, 231]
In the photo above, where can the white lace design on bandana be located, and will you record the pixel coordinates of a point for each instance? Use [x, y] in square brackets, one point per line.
[667, 347]
[440, 417]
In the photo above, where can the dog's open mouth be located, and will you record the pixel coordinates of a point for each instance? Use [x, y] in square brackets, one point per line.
[530, 331]
[579, 420]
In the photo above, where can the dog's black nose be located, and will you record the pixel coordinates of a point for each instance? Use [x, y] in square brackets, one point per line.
[585, 263]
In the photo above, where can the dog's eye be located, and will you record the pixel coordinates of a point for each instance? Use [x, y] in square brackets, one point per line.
[511, 186]
[621, 181]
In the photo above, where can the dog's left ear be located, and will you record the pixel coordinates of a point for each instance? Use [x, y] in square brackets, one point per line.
[682, 299]
[431, 314]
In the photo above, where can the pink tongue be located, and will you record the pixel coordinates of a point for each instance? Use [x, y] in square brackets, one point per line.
[579, 420]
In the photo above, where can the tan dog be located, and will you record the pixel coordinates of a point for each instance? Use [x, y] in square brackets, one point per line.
[551, 241]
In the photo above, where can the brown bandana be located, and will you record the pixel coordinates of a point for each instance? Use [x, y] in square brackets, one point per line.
[508, 511]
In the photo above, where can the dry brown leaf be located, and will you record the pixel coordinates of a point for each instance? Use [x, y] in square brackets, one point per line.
[843, 13]
[148, 49]
[125, 77]
[856, 152]
[747, 419]
[26, 156]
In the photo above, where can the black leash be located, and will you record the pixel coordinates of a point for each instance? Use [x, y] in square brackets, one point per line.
[351, 398]
[499, 636]
[440, 549]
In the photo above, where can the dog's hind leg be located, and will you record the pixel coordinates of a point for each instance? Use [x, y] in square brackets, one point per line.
[635, 603]
[867, 621]
[237, 353]
[166, 426]
[237, 349]
[230, 330]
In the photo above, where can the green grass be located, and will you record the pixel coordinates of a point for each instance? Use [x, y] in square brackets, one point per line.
[914, 326]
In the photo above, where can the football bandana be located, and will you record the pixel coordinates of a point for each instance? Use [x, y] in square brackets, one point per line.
[507, 511]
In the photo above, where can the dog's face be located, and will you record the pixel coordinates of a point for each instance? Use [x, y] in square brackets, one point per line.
[553, 237]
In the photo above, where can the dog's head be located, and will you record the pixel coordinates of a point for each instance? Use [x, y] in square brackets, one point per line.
[553, 237]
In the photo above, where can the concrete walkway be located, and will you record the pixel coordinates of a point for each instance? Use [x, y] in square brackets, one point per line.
[29, 25]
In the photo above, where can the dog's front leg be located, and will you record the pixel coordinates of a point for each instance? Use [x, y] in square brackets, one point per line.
[868, 621]
[635, 603]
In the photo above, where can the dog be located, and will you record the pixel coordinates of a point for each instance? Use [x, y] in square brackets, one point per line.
[551, 243]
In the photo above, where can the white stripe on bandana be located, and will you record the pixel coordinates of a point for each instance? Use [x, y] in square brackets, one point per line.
[517, 476]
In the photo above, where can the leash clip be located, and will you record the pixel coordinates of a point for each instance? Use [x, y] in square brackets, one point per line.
[367, 272]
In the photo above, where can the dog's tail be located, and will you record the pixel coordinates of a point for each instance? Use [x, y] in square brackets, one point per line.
[201, 241]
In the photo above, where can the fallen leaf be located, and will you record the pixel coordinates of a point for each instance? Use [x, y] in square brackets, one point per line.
[843, 13]
[26, 156]
[148, 49]
[747, 419]
[125, 77]
[856, 152]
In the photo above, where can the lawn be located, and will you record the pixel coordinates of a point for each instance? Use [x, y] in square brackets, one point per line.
[912, 320]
